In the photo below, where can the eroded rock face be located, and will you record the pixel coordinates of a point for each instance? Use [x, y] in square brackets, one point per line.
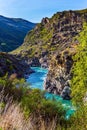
[53, 42]
[59, 73]
[66, 93]
[35, 62]
[45, 21]
[10, 64]
[59, 76]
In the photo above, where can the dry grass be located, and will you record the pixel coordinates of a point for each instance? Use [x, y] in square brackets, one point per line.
[13, 119]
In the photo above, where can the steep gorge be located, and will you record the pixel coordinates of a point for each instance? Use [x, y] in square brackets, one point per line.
[52, 43]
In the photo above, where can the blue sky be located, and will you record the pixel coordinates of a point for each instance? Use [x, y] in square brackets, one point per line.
[35, 10]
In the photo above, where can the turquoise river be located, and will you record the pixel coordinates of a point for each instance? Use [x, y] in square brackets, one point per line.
[36, 80]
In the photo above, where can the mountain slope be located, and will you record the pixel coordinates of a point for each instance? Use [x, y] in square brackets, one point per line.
[10, 64]
[53, 43]
[52, 34]
[13, 31]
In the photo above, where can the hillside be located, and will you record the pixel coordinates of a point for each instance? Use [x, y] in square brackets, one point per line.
[13, 31]
[59, 44]
[10, 64]
[53, 43]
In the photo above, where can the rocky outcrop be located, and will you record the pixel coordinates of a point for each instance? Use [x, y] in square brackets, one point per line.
[59, 74]
[10, 64]
[53, 42]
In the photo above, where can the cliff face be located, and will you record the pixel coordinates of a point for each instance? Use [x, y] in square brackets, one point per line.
[52, 44]
[10, 64]
[59, 75]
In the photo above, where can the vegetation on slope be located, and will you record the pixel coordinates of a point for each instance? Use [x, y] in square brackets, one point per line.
[11, 64]
[52, 35]
[79, 81]
[37, 113]
[13, 31]
[51, 43]
[24, 108]
[34, 107]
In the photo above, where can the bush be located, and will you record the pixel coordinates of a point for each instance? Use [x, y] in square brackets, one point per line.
[79, 80]
[32, 101]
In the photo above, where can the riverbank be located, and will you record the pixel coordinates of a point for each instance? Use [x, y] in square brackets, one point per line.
[25, 108]
[36, 81]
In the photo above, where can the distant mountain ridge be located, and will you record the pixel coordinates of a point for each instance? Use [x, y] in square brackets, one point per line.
[12, 32]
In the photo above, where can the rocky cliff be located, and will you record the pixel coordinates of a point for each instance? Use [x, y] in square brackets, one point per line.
[52, 44]
[10, 64]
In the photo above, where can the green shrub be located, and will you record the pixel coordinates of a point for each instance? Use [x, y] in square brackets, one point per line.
[32, 101]
[79, 80]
